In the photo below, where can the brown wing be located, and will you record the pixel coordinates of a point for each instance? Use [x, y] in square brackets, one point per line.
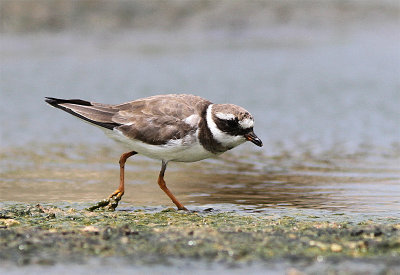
[153, 120]
[158, 119]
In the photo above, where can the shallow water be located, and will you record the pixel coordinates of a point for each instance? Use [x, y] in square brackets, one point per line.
[252, 184]
[325, 103]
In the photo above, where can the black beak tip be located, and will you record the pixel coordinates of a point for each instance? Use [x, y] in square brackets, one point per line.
[254, 139]
[258, 142]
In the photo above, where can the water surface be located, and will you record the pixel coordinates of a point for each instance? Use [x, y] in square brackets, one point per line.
[326, 106]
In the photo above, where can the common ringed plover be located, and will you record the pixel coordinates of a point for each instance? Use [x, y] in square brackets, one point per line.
[174, 127]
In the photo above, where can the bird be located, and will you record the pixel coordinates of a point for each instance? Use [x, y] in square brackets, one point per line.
[167, 127]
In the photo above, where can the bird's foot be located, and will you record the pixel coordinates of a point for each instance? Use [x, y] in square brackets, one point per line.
[182, 208]
[108, 204]
[170, 209]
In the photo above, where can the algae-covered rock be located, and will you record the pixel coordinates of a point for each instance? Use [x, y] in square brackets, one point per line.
[8, 222]
[37, 234]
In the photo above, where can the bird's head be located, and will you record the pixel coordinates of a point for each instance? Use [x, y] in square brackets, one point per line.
[231, 125]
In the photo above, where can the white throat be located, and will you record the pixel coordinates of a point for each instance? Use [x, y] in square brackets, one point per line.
[223, 138]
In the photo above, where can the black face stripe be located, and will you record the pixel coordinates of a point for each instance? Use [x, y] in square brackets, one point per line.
[231, 126]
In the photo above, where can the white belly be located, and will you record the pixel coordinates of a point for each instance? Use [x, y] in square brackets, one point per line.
[188, 150]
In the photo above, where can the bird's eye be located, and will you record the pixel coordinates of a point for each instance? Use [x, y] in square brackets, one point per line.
[232, 122]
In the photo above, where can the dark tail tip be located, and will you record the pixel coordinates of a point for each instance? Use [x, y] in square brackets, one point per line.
[51, 100]
[55, 101]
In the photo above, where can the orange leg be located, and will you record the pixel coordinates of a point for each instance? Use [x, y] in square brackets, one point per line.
[164, 187]
[112, 201]
[121, 188]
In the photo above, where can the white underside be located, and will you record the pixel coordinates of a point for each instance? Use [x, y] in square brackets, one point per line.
[181, 150]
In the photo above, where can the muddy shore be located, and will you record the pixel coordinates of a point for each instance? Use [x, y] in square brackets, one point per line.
[48, 235]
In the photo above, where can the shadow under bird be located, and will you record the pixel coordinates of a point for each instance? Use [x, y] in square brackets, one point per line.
[175, 127]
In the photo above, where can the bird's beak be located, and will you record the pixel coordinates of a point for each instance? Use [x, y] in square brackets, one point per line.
[253, 138]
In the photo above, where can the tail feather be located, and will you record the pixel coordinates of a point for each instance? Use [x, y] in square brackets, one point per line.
[54, 101]
[97, 114]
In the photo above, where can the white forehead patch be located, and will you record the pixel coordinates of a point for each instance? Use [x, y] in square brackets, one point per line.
[225, 116]
[246, 123]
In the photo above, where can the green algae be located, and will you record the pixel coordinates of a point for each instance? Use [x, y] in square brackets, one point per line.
[36, 234]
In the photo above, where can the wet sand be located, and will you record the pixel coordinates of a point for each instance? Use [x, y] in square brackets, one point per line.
[49, 236]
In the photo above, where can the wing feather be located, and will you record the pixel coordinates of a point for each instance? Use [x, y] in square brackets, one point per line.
[153, 120]
[156, 120]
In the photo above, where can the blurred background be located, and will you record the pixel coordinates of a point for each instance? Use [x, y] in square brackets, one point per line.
[320, 77]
